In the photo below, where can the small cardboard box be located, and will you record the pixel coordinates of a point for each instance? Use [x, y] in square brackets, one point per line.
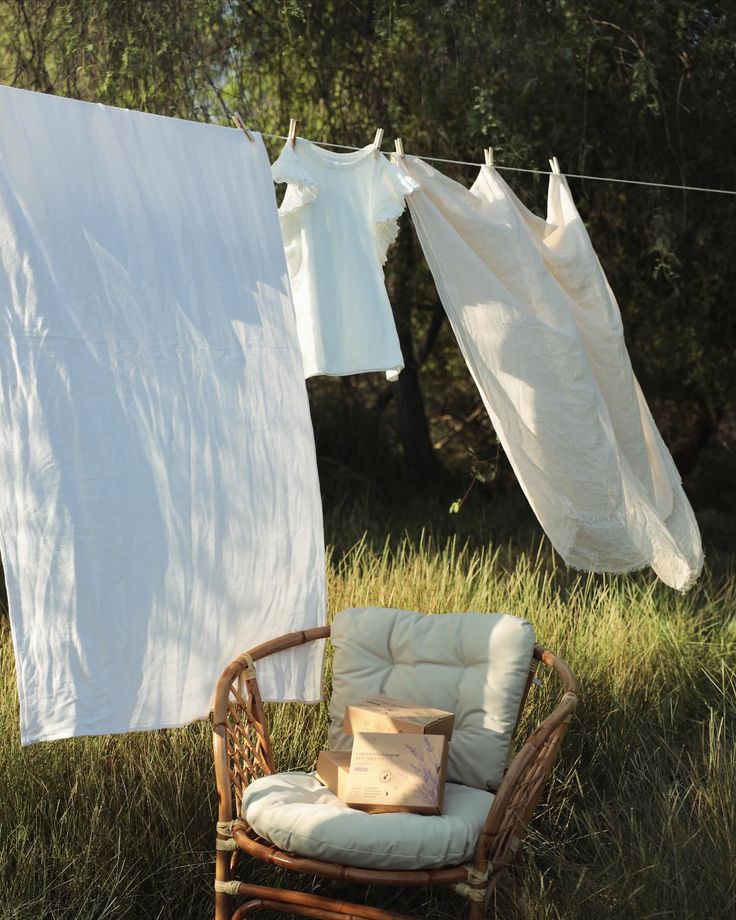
[397, 772]
[333, 769]
[384, 714]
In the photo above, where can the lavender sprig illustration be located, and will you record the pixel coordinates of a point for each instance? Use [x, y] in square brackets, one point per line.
[426, 766]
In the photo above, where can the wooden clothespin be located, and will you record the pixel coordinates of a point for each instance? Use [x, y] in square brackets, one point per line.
[239, 123]
[555, 166]
[489, 156]
[378, 139]
[399, 147]
[293, 128]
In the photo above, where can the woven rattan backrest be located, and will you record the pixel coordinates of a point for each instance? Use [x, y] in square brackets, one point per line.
[241, 740]
[248, 743]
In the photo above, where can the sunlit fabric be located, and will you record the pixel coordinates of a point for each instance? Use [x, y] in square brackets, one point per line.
[541, 333]
[338, 218]
[160, 508]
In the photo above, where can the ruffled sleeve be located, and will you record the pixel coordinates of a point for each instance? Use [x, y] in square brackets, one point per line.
[393, 187]
[302, 189]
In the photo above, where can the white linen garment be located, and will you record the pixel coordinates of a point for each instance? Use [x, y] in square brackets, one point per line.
[338, 218]
[160, 509]
[572, 260]
[541, 334]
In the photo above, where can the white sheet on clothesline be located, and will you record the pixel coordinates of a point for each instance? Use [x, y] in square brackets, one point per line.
[160, 508]
[541, 333]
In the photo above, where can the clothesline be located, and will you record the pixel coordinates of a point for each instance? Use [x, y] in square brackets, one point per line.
[521, 169]
[573, 421]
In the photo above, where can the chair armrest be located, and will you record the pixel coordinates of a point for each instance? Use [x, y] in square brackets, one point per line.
[240, 735]
[526, 777]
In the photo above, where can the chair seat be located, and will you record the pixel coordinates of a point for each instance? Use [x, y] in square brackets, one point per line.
[296, 813]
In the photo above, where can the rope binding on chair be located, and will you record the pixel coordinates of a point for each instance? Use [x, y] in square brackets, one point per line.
[570, 696]
[232, 888]
[472, 894]
[468, 889]
[248, 672]
[477, 878]
[225, 829]
[228, 845]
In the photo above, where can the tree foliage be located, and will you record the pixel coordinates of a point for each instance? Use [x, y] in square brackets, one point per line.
[644, 91]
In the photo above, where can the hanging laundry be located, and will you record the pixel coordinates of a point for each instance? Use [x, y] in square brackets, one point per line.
[160, 509]
[541, 334]
[572, 260]
[338, 218]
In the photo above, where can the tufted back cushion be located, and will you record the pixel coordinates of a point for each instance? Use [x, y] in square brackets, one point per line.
[473, 664]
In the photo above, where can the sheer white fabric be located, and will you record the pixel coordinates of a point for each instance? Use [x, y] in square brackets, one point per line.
[160, 509]
[541, 333]
[338, 218]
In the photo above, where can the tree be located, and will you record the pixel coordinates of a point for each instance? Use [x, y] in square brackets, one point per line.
[644, 91]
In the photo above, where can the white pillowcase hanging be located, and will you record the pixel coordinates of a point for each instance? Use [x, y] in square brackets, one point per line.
[541, 333]
[338, 218]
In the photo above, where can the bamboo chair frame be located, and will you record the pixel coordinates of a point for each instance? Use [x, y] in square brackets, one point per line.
[242, 752]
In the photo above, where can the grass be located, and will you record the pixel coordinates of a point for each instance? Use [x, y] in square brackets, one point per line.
[640, 820]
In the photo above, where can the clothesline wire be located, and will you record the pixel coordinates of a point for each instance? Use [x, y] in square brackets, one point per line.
[537, 172]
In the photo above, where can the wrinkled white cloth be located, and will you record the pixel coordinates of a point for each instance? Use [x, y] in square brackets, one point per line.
[572, 260]
[338, 218]
[160, 510]
[541, 333]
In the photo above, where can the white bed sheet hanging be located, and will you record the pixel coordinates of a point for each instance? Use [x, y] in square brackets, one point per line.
[541, 335]
[160, 509]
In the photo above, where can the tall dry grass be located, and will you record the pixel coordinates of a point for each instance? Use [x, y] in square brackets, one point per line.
[640, 820]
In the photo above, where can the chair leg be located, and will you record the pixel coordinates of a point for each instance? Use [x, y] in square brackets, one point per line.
[223, 906]
[483, 910]
[223, 902]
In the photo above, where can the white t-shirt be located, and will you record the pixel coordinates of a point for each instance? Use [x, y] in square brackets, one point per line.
[338, 218]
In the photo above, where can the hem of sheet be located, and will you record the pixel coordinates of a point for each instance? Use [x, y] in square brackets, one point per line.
[396, 370]
[624, 570]
[646, 561]
[74, 730]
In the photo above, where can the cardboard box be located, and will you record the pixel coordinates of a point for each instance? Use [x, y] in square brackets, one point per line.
[384, 714]
[333, 769]
[397, 772]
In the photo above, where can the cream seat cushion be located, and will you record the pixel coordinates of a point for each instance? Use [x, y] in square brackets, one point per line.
[473, 664]
[298, 814]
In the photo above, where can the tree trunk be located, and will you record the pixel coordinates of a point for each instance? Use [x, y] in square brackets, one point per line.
[414, 434]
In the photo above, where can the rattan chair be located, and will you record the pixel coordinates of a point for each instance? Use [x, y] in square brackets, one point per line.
[243, 752]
